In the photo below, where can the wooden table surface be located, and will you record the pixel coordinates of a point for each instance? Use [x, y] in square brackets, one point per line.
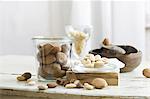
[132, 85]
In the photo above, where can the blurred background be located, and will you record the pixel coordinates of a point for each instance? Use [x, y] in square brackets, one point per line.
[123, 22]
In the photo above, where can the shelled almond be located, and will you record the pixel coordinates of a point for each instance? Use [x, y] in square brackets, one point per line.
[91, 61]
[88, 86]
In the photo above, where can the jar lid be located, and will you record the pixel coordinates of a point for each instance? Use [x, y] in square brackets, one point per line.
[61, 38]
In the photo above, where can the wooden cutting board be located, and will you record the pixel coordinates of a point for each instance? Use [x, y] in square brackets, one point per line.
[112, 78]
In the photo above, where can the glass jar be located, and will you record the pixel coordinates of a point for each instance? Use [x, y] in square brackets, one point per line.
[52, 56]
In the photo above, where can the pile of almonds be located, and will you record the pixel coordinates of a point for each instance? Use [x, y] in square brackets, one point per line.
[98, 83]
[79, 39]
[53, 60]
[91, 61]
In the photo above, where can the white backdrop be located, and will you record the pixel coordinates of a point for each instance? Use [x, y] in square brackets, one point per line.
[20, 21]
[122, 21]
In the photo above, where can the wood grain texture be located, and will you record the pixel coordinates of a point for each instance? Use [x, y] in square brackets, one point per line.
[17, 94]
[111, 77]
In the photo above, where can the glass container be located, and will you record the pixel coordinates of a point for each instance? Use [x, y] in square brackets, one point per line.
[79, 35]
[52, 57]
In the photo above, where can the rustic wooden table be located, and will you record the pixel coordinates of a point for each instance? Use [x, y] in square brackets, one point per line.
[132, 85]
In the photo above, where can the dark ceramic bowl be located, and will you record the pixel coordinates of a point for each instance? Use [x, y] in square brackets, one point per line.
[131, 59]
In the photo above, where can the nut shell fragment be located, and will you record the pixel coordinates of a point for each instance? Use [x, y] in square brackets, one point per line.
[71, 85]
[88, 86]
